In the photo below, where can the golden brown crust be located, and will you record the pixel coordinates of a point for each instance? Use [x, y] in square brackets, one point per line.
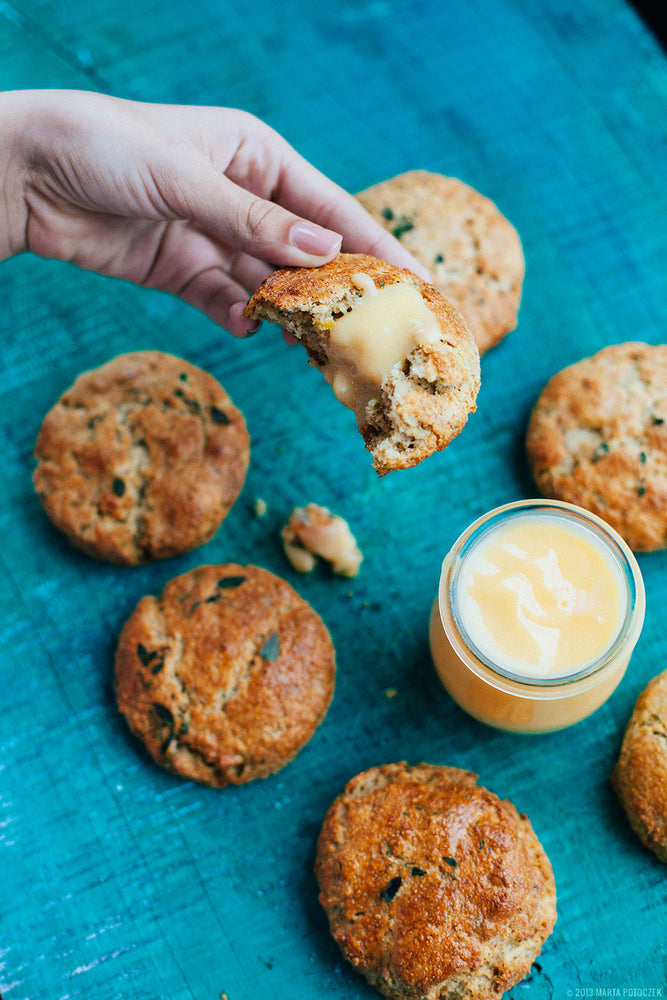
[226, 675]
[597, 437]
[422, 406]
[141, 458]
[640, 775]
[473, 252]
[434, 888]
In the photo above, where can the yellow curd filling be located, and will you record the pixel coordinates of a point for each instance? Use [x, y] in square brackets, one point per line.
[382, 329]
[539, 598]
[540, 605]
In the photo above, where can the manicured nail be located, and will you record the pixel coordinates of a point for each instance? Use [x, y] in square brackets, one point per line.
[314, 240]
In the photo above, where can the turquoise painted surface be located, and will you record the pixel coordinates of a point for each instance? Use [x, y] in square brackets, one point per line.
[120, 880]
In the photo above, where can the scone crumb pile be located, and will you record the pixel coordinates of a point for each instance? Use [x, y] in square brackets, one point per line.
[313, 532]
[424, 400]
[434, 888]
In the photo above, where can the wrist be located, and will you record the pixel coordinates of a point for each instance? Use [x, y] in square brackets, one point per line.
[15, 112]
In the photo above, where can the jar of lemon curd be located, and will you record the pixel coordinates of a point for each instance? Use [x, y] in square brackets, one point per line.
[539, 607]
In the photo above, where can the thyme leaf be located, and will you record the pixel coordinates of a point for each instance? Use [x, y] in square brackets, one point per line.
[270, 651]
[391, 889]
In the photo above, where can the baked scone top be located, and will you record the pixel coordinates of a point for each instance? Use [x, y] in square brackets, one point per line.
[425, 400]
[225, 675]
[141, 458]
[473, 252]
[433, 886]
[597, 437]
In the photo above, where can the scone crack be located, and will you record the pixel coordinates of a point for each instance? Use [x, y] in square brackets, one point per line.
[264, 649]
[596, 438]
[224, 583]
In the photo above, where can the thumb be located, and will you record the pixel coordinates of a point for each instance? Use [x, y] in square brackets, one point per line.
[265, 230]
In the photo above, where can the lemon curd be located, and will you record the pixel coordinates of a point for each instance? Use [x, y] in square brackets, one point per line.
[379, 332]
[539, 607]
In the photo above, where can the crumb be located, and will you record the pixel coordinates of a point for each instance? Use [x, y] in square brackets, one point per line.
[390, 693]
[260, 507]
[313, 531]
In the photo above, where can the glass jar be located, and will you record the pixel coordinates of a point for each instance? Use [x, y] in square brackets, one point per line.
[498, 689]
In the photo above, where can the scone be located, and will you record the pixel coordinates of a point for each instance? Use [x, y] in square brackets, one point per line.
[434, 888]
[597, 437]
[640, 775]
[141, 458]
[473, 252]
[391, 347]
[226, 675]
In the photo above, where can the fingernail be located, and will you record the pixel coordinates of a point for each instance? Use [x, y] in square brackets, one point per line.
[239, 326]
[314, 240]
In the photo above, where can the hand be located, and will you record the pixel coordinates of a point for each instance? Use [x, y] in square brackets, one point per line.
[200, 202]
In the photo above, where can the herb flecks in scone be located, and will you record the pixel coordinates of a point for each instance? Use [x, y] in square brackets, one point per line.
[434, 887]
[597, 438]
[473, 252]
[141, 458]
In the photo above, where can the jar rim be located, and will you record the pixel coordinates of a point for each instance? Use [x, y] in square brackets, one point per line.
[615, 545]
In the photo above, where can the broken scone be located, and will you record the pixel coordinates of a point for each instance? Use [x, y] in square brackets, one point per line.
[392, 348]
[313, 532]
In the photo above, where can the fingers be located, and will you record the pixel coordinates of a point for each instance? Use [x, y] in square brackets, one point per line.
[304, 189]
[209, 275]
[174, 257]
[261, 228]
[214, 293]
[273, 204]
[201, 203]
[274, 233]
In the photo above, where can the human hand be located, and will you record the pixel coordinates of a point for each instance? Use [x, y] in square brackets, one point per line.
[197, 201]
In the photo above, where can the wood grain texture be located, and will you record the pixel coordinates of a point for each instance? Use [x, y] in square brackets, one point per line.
[120, 880]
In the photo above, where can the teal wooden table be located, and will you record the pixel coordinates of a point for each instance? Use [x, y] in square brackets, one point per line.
[118, 879]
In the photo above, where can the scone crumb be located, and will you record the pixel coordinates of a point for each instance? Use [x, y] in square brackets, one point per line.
[313, 532]
[260, 507]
